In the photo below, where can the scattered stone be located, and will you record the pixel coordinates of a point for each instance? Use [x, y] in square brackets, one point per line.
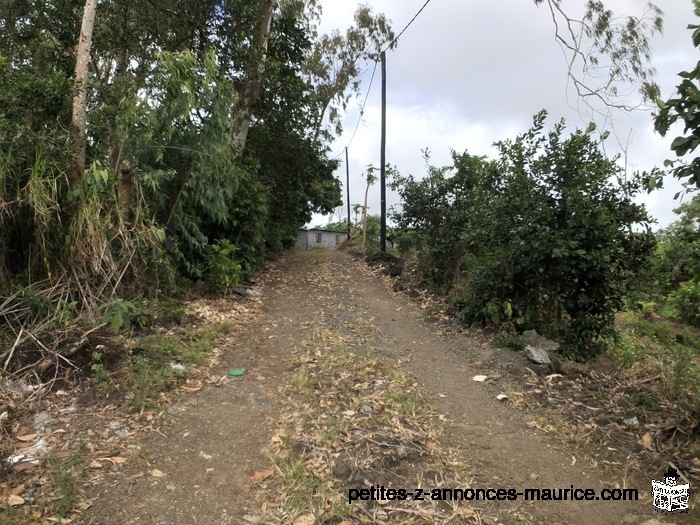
[367, 409]
[537, 355]
[555, 367]
[553, 401]
[479, 378]
[604, 364]
[532, 338]
[573, 370]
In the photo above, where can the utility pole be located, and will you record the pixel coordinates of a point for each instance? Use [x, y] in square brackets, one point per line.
[382, 160]
[347, 186]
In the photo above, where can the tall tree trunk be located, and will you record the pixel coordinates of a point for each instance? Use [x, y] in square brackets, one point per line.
[82, 62]
[251, 91]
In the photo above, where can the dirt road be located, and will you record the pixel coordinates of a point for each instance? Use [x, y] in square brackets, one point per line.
[201, 470]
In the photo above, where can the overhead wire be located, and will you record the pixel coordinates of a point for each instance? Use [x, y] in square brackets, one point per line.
[376, 62]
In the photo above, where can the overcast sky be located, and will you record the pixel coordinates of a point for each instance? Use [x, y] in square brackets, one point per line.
[469, 73]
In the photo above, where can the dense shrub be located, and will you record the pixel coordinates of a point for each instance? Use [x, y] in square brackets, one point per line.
[547, 236]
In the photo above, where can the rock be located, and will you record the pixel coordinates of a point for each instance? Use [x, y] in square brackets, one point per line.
[553, 401]
[604, 364]
[341, 470]
[555, 367]
[573, 370]
[537, 355]
[532, 338]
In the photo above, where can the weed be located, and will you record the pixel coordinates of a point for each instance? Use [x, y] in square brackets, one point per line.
[643, 400]
[147, 379]
[102, 377]
[169, 311]
[301, 383]
[117, 313]
[627, 350]
[66, 475]
[512, 341]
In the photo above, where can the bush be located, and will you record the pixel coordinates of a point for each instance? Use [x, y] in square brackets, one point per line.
[686, 302]
[540, 238]
[223, 272]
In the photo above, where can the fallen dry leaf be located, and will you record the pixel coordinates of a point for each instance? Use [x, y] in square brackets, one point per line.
[95, 464]
[573, 460]
[306, 519]
[15, 500]
[259, 477]
[117, 460]
[157, 473]
[646, 441]
[27, 437]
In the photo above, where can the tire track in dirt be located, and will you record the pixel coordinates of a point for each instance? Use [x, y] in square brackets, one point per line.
[232, 423]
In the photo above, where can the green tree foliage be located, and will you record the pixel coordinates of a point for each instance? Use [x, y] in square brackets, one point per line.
[683, 107]
[547, 236]
[164, 189]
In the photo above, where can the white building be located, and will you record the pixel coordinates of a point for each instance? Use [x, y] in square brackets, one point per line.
[317, 238]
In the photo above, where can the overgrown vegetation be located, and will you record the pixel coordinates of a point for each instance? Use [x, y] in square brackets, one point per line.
[547, 236]
[189, 150]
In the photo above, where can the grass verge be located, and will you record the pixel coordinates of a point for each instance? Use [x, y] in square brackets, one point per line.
[353, 421]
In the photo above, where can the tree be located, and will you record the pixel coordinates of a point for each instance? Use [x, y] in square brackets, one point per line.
[617, 50]
[371, 179]
[244, 114]
[82, 61]
[333, 65]
[683, 106]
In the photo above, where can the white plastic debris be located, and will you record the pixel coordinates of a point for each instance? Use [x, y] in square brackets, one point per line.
[41, 420]
[632, 422]
[480, 379]
[501, 397]
[31, 454]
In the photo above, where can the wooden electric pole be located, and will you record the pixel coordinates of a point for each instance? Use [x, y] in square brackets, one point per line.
[347, 186]
[382, 160]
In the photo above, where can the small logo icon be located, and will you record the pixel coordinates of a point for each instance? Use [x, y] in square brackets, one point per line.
[668, 495]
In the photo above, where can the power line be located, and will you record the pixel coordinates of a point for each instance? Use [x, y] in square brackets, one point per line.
[376, 62]
[362, 110]
[407, 25]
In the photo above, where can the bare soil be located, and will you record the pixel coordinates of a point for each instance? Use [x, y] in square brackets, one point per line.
[202, 465]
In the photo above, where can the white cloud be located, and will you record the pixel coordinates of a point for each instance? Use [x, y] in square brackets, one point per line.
[467, 74]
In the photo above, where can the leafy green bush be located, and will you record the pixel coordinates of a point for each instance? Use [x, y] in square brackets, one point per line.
[544, 237]
[686, 302]
[223, 271]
